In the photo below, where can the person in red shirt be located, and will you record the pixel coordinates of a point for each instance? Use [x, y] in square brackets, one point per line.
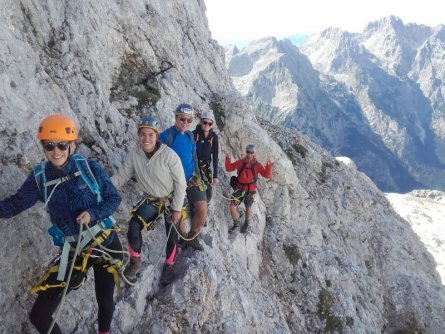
[248, 169]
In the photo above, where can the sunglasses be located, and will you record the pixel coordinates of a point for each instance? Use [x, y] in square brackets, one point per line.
[250, 152]
[61, 145]
[207, 123]
[184, 119]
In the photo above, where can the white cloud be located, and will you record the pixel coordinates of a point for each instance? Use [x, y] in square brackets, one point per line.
[231, 20]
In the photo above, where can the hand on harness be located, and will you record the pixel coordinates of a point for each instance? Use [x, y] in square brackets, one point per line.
[176, 216]
[197, 181]
[83, 218]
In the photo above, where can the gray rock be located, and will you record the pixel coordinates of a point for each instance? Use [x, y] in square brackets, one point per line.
[326, 252]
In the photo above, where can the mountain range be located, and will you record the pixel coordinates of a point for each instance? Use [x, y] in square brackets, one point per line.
[375, 96]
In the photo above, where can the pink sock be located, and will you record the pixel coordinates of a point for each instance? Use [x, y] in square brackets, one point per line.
[132, 253]
[171, 258]
[106, 332]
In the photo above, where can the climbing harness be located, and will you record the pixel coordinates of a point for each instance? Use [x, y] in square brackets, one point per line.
[205, 172]
[115, 268]
[162, 206]
[91, 237]
[65, 290]
[158, 203]
[60, 263]
[196, 180]
[209, 141]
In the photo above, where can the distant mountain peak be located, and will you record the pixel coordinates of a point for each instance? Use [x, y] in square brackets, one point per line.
[373, 96]
[391, 21]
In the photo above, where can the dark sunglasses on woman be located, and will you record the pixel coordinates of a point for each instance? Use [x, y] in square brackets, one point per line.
[61, 145]
[207, 123]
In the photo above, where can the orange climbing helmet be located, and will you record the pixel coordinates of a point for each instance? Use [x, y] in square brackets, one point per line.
[57, 127]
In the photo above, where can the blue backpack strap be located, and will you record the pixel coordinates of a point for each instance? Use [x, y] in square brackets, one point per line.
[83, 169]
[42, 184]
[171, 137]
[190, 134]
[87, 175]
[39, 175]
[195, 155]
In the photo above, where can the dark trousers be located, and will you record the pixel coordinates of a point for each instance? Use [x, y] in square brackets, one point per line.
[149, 212]
[48, 301]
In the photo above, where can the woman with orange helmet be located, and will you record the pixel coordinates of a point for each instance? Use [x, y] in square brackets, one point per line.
[60, 184]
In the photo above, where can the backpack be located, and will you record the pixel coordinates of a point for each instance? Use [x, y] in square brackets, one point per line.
[234, 179]
[83, 169]
[171, 138]
[210, 141]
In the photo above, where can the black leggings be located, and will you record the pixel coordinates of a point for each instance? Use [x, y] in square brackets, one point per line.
[48, 301]
[149, 213]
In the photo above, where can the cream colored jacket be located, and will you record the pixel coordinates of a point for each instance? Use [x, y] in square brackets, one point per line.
[158, 177]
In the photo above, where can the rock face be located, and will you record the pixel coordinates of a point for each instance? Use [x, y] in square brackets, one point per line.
[424, 210]
[326, 252]
[375, 97]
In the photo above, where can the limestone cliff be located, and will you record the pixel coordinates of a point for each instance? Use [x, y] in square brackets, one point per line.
[326, 253]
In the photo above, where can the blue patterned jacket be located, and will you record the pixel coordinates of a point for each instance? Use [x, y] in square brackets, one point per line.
[68, 200]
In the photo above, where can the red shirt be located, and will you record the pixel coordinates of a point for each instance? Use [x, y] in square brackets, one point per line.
[246, 180]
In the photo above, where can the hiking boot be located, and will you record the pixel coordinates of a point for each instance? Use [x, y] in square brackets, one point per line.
[245, 227]
[181, 243]
[167, 275]
[234, 227]
[194, 241]
[133, 268]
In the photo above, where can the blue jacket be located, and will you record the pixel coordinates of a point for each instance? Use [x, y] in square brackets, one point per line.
[183, 146]
[69, 199]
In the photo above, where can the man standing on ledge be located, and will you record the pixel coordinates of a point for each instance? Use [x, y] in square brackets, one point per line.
[181, 140]
[247, 169]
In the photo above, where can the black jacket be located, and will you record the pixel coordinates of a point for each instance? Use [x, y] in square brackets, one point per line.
[207, 149]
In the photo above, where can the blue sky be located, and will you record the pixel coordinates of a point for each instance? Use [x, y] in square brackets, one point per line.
[238, 21]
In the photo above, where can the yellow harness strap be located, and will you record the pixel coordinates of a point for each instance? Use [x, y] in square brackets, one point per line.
[39, 286]
[54, 268]
[196, 181]
[115, 273]
[159, 203]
